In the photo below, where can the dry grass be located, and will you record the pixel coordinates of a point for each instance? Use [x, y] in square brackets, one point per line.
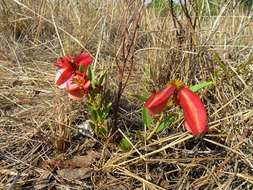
[37, 121]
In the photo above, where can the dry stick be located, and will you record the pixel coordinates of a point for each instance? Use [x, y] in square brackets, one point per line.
[133, 43]
[58, 35]
[175, 21]
[120, 72]
[126, 53]
[99, 44]
[192, 24]
[124, 171]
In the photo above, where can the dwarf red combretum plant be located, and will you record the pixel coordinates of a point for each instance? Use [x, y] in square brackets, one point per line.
[75, 75]
[72, 75]
[194, 111]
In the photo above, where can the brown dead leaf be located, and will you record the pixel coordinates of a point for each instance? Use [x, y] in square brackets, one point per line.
[75, 162]
[82, 161]
[77, 173]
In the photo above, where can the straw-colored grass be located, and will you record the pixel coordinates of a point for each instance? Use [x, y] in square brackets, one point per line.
[38, 121]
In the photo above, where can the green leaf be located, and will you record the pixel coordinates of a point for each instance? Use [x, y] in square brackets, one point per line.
[161, 7]
[102, 132]
[100, 115]
[81, 68]
[102, 78]
[94, 115]
[217, 60]
[105, 115]
[109, 106]
[125, 144]
[200, 86]
[165, 123]
[147, 119]
[92, 77]
[142, 98]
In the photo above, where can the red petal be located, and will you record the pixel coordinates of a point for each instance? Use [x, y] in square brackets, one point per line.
[194, 111]
[63, 62]
[74, 91]
[77, 94]
[83, 59]
[58, 75]
[187, 127]
[66, 74]
[157, 101]
[86, 85]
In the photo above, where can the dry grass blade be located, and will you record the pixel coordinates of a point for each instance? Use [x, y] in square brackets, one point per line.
[147, 183]
[246, 177]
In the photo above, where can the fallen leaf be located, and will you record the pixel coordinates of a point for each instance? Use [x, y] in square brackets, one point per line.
[75, 162]
[78, 173]
[53, 164]
[82, 161]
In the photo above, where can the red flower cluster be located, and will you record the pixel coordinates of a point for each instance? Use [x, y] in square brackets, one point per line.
[194, 111]
[72, 75]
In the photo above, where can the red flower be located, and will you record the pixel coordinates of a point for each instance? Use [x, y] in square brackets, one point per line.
[158, 100]
[78, 86]
[68, 66]
[83, 59]
[194, 111]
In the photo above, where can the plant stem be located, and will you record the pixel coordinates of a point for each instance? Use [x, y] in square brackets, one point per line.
[156, 127]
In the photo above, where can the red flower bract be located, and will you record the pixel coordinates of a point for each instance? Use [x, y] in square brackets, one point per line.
[83, 59]
[78, 86]
[68, 66]
[158, 100]
[194, 111]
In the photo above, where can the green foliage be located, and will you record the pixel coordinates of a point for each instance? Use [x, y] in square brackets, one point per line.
[98, 107]
[147, 119]
[92, 77]
[99, 112]
[96, 81]
[165, 123]
[125, 144]
[101, 79]
[160, 6]
[221, 66]
[81, 68]
[198, 87]
[142, 97]
[217, 60]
